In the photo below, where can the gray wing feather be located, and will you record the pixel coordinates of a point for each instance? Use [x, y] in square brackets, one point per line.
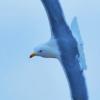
[68, 49]
[56, 18]
[76, 78]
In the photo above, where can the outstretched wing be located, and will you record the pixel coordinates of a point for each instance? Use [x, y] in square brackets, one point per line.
[68, 49]
[56, 18]
[75, 76]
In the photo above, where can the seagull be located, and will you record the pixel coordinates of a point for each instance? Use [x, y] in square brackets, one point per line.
[66, 45]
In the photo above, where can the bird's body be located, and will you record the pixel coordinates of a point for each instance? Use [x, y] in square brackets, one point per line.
[64, 45]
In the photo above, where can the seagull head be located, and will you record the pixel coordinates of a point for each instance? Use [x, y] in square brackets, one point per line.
[45, 51]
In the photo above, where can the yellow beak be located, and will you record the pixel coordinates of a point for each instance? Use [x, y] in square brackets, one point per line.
[33, 55]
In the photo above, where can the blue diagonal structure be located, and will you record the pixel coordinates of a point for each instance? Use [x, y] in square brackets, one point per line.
[68, 48]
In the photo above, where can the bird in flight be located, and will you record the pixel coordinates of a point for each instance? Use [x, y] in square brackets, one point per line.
[65, 45]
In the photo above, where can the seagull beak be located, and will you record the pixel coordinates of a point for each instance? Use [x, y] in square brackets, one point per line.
[33, 55]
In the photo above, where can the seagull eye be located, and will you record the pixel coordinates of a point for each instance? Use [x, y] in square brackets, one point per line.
[40, 51]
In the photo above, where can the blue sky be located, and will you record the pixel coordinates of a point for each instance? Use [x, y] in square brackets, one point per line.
[23, 25]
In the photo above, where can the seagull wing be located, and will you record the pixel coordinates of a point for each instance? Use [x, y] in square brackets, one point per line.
[68, 49]
[56, 18]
